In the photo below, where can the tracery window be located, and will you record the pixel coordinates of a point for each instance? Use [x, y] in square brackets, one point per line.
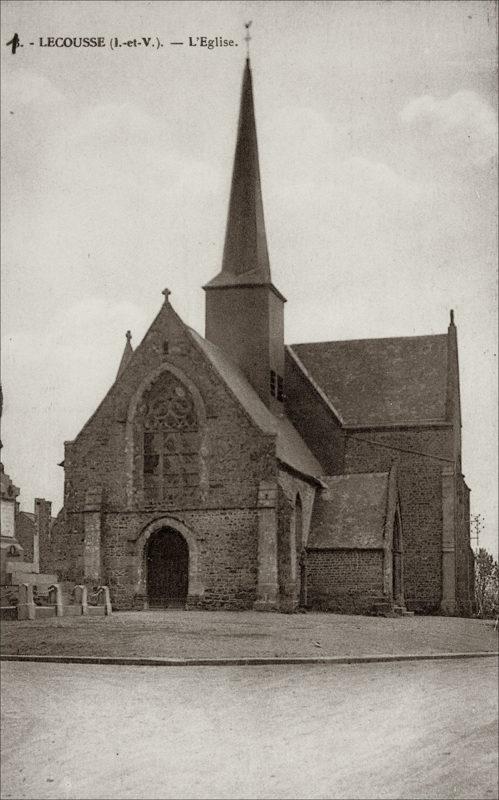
[170, 434]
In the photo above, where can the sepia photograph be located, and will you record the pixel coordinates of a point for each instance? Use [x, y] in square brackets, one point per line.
[249, 509]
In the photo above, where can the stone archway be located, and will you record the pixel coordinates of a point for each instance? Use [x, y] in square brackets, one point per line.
[179, 532]
[167, 568]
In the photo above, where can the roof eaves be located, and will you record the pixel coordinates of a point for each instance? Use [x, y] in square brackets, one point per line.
[363, 426]
[205, 353]
[307, 476]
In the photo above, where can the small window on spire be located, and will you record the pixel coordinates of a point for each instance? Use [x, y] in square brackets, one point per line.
[273, 383]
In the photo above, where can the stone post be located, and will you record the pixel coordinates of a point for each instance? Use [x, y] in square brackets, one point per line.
[80, 598]
[103, 594]
[267, 586]
[55, 598]
[26, 606]
[448, 602]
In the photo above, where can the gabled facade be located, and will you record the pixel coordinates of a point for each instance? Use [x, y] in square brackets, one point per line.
[232, 471]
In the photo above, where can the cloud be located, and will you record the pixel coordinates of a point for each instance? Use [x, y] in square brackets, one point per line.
[461, 128]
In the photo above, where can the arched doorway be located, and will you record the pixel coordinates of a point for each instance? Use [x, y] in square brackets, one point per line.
[167, 568]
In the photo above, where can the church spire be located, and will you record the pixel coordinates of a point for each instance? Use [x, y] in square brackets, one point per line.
[244, 310]
[245, 257]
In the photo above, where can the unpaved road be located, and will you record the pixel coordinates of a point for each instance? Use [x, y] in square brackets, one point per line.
[175, 633]
[412, 730]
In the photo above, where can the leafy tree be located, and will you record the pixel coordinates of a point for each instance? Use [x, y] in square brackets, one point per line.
[486, 584]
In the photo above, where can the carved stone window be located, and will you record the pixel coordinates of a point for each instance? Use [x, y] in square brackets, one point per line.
[171, 440]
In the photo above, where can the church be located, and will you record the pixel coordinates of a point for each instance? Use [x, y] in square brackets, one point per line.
[235, 471]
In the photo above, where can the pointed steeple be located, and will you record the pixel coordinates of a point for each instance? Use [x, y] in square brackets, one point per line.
[244, 310]
[245, 257]
[127, 354]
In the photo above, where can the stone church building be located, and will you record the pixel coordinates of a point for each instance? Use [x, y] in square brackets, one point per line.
[236, 471]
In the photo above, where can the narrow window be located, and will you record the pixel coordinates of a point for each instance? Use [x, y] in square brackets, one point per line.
[273, 383]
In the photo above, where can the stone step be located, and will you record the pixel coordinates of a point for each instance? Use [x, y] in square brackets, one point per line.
[20, 566]
[401, 611]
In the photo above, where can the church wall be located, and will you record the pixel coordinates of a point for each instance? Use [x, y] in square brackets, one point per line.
[293, 486]
[226, 542]
[247, 324]
[464, 554]
[62, 552]
[222, 512]
[292, 540]
[420, 485]
[312, 419]
[238, 453]
[345, 581]
[236, 450]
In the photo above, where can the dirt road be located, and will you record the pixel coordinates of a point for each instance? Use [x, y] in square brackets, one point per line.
[413, 730]
[175, 633]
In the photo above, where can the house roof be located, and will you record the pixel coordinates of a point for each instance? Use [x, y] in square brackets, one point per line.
[381, 381]
[350, 512]
[290, 447]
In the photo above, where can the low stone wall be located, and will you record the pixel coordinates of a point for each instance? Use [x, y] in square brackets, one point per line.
[31, 607]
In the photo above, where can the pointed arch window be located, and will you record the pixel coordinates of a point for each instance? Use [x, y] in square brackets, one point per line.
[170, 439]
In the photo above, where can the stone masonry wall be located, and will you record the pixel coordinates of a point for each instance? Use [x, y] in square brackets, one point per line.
[237, 456]
[345, 581]
[293, 486]
[464, 555]
[25, 529]
[420, 498]
[226, 542]
[289, 536]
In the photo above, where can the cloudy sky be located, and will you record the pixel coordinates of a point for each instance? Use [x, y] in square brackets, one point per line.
[377, 130]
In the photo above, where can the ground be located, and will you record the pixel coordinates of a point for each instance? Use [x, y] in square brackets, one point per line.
[413, 730]
[196, 634]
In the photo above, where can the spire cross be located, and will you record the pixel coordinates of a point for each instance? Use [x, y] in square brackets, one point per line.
[247, 38]
[166, 293]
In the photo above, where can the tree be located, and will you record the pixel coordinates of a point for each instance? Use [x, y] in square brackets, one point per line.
[486, 584]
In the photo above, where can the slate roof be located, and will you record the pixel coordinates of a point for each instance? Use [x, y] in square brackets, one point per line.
[351, 512]
[381, 381]
[245, 257]
[291, 449]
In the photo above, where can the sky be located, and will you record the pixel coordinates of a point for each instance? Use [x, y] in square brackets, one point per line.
[377, 129]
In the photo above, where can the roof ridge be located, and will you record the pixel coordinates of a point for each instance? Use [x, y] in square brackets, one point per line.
[357, 475]
[371, 339]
